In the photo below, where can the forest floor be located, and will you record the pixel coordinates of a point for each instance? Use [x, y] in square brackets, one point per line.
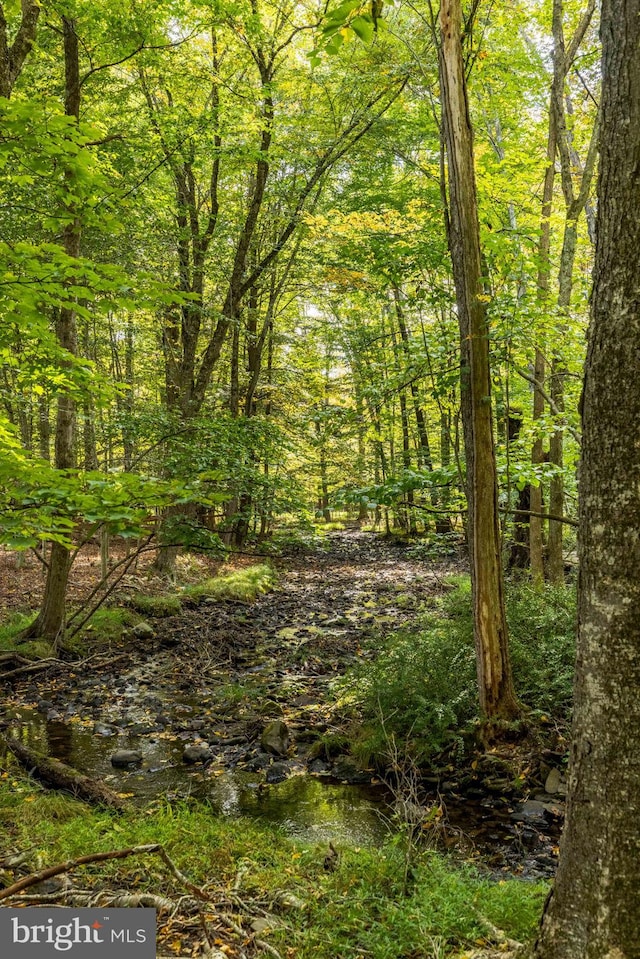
[256, 687]
[219, 671]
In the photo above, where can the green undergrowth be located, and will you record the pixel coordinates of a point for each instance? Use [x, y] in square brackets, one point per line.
[241, 585]
[10, 632]
[360, 909]
[156, 606]
[420, 688]
[108, 624]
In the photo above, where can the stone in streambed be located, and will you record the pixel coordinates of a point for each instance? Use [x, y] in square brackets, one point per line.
[196, 753]
[275, 738]
[277, 773]
[319, 767]
[143, 631]
[101, 729]
[126, 757]
[556, 783]
[349, 772]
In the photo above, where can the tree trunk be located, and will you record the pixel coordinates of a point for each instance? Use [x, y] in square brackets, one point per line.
[497, 696]
[49, 623]
[536, 546]
[12, 56]
[594, 911]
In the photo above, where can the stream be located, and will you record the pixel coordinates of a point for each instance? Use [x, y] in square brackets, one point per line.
[212, 678]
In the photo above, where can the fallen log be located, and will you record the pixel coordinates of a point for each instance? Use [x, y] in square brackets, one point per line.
[55, 773]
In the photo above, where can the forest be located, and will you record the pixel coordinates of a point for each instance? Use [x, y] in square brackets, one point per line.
[319, 502]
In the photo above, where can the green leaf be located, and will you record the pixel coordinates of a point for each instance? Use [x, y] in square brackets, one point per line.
[363, 28]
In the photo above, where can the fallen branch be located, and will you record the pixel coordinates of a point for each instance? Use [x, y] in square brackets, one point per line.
[71, 864]
[33, 668]
[13, 658]
[62, 776]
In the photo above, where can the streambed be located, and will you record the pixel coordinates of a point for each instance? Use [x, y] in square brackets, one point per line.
[217, 675]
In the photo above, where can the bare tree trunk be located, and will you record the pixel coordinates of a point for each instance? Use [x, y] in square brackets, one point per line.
[594, 910]
[49, 623]
[536, 546]
[497, 695]
[44, 428]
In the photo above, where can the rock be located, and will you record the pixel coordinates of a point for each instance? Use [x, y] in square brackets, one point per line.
[319, 767]
[275, 738]
[126, 757]
[270, 708]
[142, 729]
[277, 773]
[349, 772]
[143, 631]
[287, 900]
[531, 812]
[262, 926]
[196, 753]
[44, 705]
[256, 764]
[556, 783]
[305, 700]
[101, 729]
[53, 714]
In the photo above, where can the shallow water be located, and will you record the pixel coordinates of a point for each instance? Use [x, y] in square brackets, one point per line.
[310, 808]
[305, 806]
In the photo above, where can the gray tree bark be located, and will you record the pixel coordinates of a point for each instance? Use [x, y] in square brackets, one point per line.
[594, 910]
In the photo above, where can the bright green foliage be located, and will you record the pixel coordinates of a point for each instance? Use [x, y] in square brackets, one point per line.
[420, 689]
[242, 585]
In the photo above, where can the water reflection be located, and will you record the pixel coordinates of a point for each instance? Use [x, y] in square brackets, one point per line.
[304, 807]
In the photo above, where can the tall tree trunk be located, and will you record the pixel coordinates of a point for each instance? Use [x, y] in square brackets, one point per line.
[497, 696]
[562, 60]
[44, 428]
[594, 910]
[49, 623]
[536, 546]
[575, 204]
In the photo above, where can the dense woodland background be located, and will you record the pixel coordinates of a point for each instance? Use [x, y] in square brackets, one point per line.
[226, 280]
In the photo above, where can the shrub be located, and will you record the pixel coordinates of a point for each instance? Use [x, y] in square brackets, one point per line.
[421, 688]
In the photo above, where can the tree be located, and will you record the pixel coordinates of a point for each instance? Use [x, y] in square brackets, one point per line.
[13, 55]
[50, 620]
[594, 911]
[497, 695]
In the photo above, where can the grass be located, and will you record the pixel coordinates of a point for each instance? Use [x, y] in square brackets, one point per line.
[167, 604]
[358, 910]
[241, 585]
